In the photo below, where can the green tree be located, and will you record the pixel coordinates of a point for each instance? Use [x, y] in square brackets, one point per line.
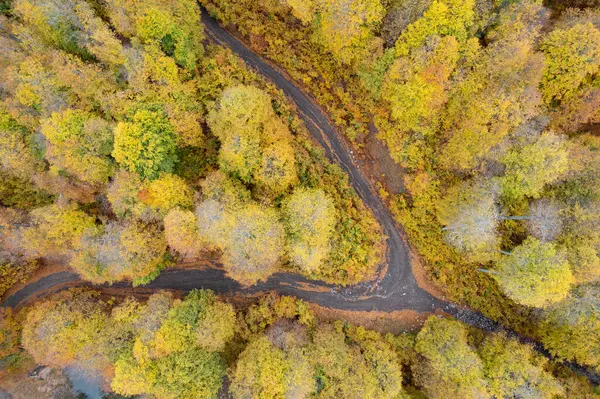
[529, 169]
[310, 219]
[449, 366]
[535, 274]
[145, 143]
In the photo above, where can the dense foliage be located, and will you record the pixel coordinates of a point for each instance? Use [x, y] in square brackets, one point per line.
[491, 107]
[275, 348]
[123, 139]
[127, 144]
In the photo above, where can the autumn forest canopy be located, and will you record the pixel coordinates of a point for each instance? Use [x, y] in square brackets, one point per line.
[130, 143]
[128, 146]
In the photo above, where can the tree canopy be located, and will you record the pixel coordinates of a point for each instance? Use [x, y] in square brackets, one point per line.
[145, 143]
[535, 274]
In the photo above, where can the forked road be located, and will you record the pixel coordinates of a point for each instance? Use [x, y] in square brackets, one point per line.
[396, 290]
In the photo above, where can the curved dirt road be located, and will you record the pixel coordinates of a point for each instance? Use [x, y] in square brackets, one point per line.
[397, 289]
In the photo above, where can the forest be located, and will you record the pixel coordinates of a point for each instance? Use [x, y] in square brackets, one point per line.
[491, 108]
[127, 146]
[170, 347]
[130, 144]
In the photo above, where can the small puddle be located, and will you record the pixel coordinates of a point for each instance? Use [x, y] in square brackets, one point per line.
[84, 383]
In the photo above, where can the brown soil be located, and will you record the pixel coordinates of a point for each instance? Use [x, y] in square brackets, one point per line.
[384, 322]
[380, 165]
[421, 275]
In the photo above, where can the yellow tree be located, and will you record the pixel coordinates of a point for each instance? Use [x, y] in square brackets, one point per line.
[219, 187]
[122, 193]
[353, 370]
[64, 330]
[449, 365]
[174, 353]
[72, 26]
[18, 153]
[442, 18]
[56, 229]
[345, 28]
[310, 218]
[529, 169]
[260, 371]
[415, 86]
[304, 10]
[80, 143]
[571, 328]
[247, 126]
[535, 274]
[277, 170]
[475, 121]
[38, 88]
[515, 370]
[470, 215]
[56, 23]
[181, 233]
[200, 320]
[173, 26]
[165, 193]
[254, 244]
[9, 332]
[572, 56]
[131, 250]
